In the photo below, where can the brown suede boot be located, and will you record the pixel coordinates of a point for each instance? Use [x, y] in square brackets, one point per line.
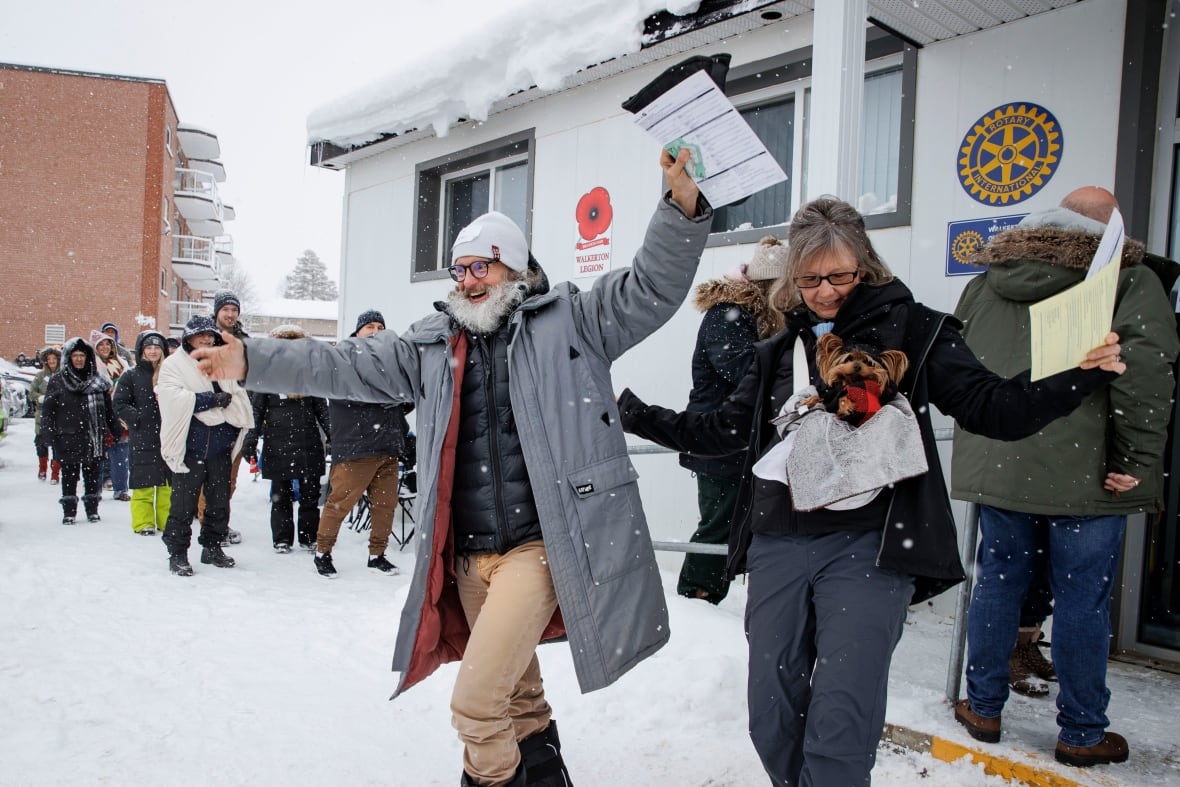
[42, 467]
[1112, 748]
[54, 471]
[1027, 668]
[978, 727]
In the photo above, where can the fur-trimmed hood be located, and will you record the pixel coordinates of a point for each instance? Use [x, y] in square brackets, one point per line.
[287, 331]
[1067, 248]
[1046, 254]
[747, 295]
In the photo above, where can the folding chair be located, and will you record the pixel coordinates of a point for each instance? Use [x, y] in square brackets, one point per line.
[407, 493]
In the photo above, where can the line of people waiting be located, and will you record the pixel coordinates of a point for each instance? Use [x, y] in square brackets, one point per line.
[173, 441]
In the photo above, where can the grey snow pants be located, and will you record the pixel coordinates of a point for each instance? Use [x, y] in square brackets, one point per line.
[822, 621]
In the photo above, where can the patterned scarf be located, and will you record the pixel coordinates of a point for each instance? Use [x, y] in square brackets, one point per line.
[94, 386]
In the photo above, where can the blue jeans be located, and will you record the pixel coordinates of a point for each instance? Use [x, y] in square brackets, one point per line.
[118, 453]
[1083, 553]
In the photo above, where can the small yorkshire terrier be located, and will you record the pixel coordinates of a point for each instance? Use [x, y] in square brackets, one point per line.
[855, 381]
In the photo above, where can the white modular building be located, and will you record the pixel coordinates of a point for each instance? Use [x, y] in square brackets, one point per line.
[944, 121]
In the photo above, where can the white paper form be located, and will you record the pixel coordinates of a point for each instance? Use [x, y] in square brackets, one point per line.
[729, 162]
[1071, 323]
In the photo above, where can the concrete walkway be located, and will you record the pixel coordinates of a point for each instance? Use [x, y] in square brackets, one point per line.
[1144, 707]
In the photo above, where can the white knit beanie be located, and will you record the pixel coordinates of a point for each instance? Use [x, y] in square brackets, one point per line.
[769, 261]
[493, 236]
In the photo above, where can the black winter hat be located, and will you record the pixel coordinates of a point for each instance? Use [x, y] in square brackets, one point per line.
[372, 315]
[197, 325]
[224, 298]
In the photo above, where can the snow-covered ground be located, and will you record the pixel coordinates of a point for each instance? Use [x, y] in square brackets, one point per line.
[114, 672]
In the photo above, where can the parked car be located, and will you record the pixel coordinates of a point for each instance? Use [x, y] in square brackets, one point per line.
[16, 382]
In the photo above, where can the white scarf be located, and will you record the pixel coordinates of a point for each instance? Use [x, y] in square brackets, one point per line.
[177, 387]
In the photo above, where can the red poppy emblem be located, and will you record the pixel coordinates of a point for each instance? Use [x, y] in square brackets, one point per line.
[594, 213]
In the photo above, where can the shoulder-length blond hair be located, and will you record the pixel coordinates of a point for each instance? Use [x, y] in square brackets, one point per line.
[820, 227]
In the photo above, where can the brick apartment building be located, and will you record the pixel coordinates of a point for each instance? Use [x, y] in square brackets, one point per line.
[109, 207]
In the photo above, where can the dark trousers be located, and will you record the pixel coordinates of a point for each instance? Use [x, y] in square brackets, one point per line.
[716, 498]
[89, 470]
[822, 621]
[212, 476]
[282, 520]
[39, 444]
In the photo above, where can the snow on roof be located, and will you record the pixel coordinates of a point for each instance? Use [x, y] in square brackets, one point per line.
[295, 310]
[535, 43]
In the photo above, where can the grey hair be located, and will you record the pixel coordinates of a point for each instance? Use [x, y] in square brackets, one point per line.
[820, 227]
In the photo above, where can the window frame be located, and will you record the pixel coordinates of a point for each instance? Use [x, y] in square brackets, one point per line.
[778, 77]
[431, 179]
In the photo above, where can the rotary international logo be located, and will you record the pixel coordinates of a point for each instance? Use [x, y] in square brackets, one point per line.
[965, 244]
[1010, 153]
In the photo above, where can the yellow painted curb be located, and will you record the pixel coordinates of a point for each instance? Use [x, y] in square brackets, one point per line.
[995, 762]
[1020, 772]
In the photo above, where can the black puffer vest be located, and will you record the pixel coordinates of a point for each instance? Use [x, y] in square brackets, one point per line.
[493, 504]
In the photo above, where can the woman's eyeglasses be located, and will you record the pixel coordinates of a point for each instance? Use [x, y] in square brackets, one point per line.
[479, 269]
[810, 280]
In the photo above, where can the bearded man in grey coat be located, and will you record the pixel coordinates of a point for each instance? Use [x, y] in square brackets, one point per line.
[531, 526]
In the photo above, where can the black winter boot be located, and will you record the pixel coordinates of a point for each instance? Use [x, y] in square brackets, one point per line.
[178, 564]
[69, 509]
[541, 762]
[90, 503]
[213, 555]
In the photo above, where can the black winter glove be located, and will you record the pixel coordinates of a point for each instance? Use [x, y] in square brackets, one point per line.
[223, 398]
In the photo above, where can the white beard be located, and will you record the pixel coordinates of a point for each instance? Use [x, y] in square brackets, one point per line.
[487, 316]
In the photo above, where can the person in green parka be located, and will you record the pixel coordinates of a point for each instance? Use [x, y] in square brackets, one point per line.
[1058, 501]
[51, 358]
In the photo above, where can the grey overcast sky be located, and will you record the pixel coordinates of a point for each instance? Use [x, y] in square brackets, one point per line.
[250, 72]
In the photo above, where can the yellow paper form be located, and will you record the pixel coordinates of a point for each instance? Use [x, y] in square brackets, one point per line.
[1071, 323]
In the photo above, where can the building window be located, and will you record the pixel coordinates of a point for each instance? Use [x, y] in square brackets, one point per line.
[774, 123]
[163, 281]
[455, 189]
[168, 139]
[772, 95]
[167, 216]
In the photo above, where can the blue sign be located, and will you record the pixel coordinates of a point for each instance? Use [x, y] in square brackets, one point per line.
[964, 238]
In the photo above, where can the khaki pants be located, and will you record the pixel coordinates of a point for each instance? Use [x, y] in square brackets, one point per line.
[348, 481]
[498, 697]
[233, 485]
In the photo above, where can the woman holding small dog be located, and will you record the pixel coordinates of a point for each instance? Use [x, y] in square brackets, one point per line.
[829, 586]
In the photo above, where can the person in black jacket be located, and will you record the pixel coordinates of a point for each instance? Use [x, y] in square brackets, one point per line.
[737, 314]
[367, 440]
[76, 419]
[828, 589]
[292, 453]
[136, 406]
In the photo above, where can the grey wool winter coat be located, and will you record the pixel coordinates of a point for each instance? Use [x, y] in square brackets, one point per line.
[561, 346]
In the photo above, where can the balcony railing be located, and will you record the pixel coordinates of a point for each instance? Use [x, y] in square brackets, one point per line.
[196, 195]
[195, 260]
[183, 311]
[188, 248]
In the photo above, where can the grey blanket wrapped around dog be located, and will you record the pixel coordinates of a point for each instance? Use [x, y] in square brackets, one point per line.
[829, 463]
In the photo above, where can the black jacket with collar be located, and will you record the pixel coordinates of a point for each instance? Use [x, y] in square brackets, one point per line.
[918, 534]
[361, 429]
